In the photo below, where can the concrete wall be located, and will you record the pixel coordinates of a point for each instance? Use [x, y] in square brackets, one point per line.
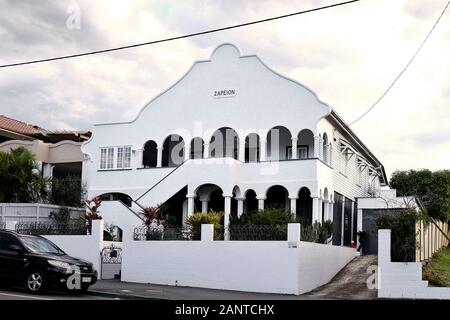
[87, 247]
[402, 280]
[61, 152]
[287, 267]
[116, 213]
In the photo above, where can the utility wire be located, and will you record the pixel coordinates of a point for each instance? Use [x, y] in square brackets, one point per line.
[177, 37]
[404, 69]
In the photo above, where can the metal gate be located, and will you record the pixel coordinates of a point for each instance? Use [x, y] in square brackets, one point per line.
[111, 262]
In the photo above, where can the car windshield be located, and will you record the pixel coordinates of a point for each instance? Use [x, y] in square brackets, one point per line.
[40, 245]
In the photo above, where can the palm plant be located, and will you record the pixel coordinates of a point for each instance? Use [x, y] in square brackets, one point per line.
[20, 178]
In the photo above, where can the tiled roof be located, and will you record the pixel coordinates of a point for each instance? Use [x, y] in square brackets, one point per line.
[19, 126]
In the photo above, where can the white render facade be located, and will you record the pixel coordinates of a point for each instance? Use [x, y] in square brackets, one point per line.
[234, 135]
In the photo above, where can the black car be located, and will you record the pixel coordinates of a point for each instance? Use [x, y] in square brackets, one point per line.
[38, 264]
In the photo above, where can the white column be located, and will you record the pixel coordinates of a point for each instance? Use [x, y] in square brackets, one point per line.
[241, 156]
[190, 198]
[187, 152]
[293, 205]
[315, 208]
[262, 150]
[316, 146]
[204, 206]
[320, 209]
[326, 210]
[206, 151]
[139, 158]
[47, 170]
[226, 218]
[294, 148]
[261, 202]
[159, 156]
[240, 206]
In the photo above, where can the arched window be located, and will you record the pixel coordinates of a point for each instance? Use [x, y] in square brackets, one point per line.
[325, 148]
[224, 143]
[305, 144]
[173, 151]
[252, 148]
[279, 144]
[150, 155]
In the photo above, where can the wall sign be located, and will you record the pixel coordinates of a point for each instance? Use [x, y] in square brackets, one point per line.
[227, 93]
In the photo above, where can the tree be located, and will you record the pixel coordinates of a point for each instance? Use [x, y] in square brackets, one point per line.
[20, 179]
[67, 191]
[431, 188]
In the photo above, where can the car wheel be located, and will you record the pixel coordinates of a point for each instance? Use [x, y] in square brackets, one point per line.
[35, 281]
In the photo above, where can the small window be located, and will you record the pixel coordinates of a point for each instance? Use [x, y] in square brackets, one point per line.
[103, 152]
[303, 152]
[127, 157]
[110, 163]
[120, 157]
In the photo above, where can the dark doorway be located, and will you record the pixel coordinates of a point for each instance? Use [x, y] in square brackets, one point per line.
[337, 218]
[251, 203]
[277, 197]
[304, 207]
[348, 221]
[216, 202]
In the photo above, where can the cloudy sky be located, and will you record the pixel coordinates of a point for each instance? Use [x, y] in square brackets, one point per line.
[347, 55]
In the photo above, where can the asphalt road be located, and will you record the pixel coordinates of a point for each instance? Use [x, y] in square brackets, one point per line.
[20, 294]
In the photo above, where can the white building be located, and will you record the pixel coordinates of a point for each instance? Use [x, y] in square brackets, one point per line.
[233, 135]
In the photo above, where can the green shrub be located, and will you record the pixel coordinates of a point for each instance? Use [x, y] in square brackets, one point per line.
[197, 219]
[60, 217]
[270, 216]
[318, 232]
[67, 191]
[403, 233]
[434, 277]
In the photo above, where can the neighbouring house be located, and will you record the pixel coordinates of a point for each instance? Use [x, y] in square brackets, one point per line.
[236, 136]
[58, 153]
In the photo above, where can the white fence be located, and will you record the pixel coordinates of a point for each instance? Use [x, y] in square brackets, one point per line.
[400, 279]
[286, 267]
[431, 237]
[32, 212]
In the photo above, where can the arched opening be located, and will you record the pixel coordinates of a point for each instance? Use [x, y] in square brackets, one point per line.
[150, 154]
[279, 144]
[252, 148]
[305, 144]
[224, 143]
[325, 147]
[277, 197]
[197, 148]
[173, 151]
[234, 202]
[304, 206]
[250, 202]
[117, 196]
[209, 197]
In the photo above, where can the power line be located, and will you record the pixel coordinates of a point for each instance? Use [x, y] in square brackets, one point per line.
[404, 69]
[178, 37]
